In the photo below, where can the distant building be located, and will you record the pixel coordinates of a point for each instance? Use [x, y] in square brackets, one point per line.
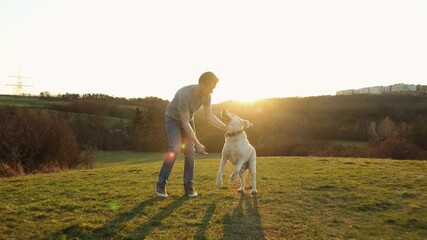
[422, 89]
[399, 88]
[364, 91]
[346, 92]
[386, 89]
[403, 88]
[376, 90]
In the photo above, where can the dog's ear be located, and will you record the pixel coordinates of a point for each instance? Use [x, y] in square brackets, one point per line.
[246, 123]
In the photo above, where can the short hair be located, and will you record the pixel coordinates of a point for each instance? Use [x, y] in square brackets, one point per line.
[208, 77]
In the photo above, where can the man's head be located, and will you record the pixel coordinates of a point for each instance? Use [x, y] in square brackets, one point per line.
[207, 82]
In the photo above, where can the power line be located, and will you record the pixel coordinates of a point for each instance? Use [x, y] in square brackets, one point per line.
[19, 85]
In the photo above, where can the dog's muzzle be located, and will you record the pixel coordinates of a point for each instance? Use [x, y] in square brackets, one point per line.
[225, 118]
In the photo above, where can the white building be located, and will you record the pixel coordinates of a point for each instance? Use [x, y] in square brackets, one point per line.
[401, 88]
[346, 92]
[376, 90]
[392, 89]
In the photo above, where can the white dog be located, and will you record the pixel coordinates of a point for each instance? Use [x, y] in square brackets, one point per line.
[238, 150]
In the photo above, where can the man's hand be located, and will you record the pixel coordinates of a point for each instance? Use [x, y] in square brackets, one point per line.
[201, 149]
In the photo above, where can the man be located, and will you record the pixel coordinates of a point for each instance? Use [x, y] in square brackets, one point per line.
[181, 129]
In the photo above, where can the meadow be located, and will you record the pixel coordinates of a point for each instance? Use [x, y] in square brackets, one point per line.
[19, 101]
[298, 198]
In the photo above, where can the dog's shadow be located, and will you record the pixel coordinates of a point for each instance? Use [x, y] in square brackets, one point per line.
[245, 219]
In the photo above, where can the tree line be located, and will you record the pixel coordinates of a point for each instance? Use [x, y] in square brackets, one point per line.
[389, 126]
[282, 126]
[107, 123]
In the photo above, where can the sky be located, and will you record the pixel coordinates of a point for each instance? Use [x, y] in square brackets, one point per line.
[257, 49]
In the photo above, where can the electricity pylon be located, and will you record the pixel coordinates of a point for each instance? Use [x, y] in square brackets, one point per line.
[19, 85]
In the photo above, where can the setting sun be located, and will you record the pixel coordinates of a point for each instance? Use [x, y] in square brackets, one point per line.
[241, 99]
[234, 90]
[147, 50]
[249, 100]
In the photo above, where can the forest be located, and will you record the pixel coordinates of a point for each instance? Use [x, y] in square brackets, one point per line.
[386, 126]
[390, 126]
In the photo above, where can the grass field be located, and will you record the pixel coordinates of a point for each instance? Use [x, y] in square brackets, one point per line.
[298, 198]
[34, 104]
[19, 101]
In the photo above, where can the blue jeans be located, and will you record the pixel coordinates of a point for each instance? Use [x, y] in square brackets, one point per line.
[178, 138]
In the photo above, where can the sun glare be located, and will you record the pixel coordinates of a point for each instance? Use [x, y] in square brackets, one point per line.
[248, 100]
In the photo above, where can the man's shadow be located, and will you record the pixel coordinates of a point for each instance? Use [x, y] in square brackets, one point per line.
[114, 228]
[144, 230]
[244, 223]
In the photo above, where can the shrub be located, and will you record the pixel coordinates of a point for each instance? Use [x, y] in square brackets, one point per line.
[37, 143]
[395, 147]
[418, 132]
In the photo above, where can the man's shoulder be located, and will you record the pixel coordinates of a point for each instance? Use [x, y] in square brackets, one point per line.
[187, 88]
[187, 91]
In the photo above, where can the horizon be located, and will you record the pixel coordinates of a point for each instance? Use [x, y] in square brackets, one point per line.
[272, 49]
[406, 92]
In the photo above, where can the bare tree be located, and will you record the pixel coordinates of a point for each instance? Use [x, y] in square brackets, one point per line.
[386, 127]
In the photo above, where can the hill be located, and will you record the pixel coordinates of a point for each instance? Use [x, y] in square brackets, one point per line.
[361, 125]
[298, 198]
[314, 125]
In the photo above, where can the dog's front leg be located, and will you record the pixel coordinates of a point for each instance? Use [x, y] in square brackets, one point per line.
[219, 176]
[252, 169]
[242, 181]
[237, 170]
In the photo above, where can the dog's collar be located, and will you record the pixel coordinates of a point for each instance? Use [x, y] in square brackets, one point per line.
[229, 134]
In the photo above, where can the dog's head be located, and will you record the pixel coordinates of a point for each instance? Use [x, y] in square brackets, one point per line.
[234, 123]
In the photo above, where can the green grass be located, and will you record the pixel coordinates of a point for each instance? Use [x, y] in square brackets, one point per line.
[298, 198]
[35, 104]
[19, 101]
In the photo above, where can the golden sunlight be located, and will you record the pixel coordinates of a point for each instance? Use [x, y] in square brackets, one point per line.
[226, 93]
[249, 100]
[248, 97]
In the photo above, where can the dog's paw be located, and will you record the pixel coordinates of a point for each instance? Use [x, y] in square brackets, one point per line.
[234, 176]
[253, 191]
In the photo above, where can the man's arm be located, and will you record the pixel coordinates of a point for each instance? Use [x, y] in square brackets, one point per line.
[212, 119]
[185, 119]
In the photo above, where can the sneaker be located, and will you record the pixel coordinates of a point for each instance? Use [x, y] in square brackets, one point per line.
[190, 192]
[161, 190]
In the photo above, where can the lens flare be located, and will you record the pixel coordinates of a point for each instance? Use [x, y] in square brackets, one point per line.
[114, 206]
[170, 155]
